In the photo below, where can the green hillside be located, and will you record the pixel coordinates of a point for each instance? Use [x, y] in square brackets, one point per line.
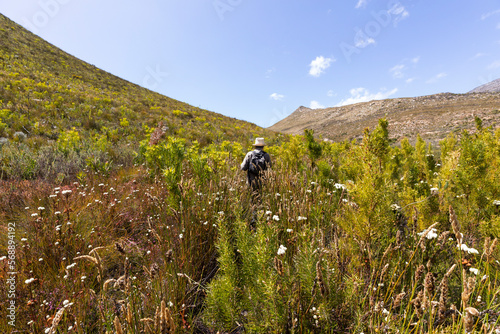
[47, 95]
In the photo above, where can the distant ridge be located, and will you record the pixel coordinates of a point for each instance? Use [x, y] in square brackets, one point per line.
[432, 117]
[490, 87]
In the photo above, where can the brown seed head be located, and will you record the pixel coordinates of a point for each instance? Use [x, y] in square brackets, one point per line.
[319, 278]
[56, 320]
[398, 299]
[119, 247]
[168, 256]
[419, 273]
[455, 225]
[154, 269]
[492, 248]
[118, 326]
[278, 265]
[429, 285]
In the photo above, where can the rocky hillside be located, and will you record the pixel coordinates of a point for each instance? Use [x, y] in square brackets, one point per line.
[490, 87]
[433, 117]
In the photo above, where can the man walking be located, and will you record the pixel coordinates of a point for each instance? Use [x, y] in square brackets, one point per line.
[255, 163]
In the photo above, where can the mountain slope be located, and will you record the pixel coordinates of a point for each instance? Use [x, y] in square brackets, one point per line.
[490, 87]
[45, 91]
[433, 117]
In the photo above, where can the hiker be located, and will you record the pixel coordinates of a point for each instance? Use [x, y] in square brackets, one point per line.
[255, 163]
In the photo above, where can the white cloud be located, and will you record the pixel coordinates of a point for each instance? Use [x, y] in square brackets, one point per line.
[269, 72]
[363, 95]
[276, 96]
[436, 78]
[361, 4]
[486, 15]
[494, 65]
[364, 42]
[479, 55]
[409, 80]
[398, 71]
[319, 65]
[331, 93]
[399, 11]
[316, 105]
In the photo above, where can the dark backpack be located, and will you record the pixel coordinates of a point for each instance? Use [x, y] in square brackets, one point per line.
[257, 163]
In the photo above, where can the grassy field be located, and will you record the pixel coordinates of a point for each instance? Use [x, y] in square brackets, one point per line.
[118, 217]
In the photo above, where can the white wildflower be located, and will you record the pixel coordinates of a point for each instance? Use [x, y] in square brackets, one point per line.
[276, 218]
[431, 235]
[67, 191]
[467, 249]
[289, 230]
[281, 250]
[395, 207]
[68, 267]
[301, 218]
[474, 271]
[41, 208]
[29, 281]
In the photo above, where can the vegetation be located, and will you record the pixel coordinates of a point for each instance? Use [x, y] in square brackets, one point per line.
[53, 105]
[143, 228]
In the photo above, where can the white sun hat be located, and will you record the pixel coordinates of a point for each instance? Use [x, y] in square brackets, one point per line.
[259, 142]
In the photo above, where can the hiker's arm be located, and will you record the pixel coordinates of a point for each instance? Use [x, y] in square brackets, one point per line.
[267, 157]
[244, 164]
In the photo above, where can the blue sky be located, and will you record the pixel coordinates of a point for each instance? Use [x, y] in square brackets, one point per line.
[260, 60]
